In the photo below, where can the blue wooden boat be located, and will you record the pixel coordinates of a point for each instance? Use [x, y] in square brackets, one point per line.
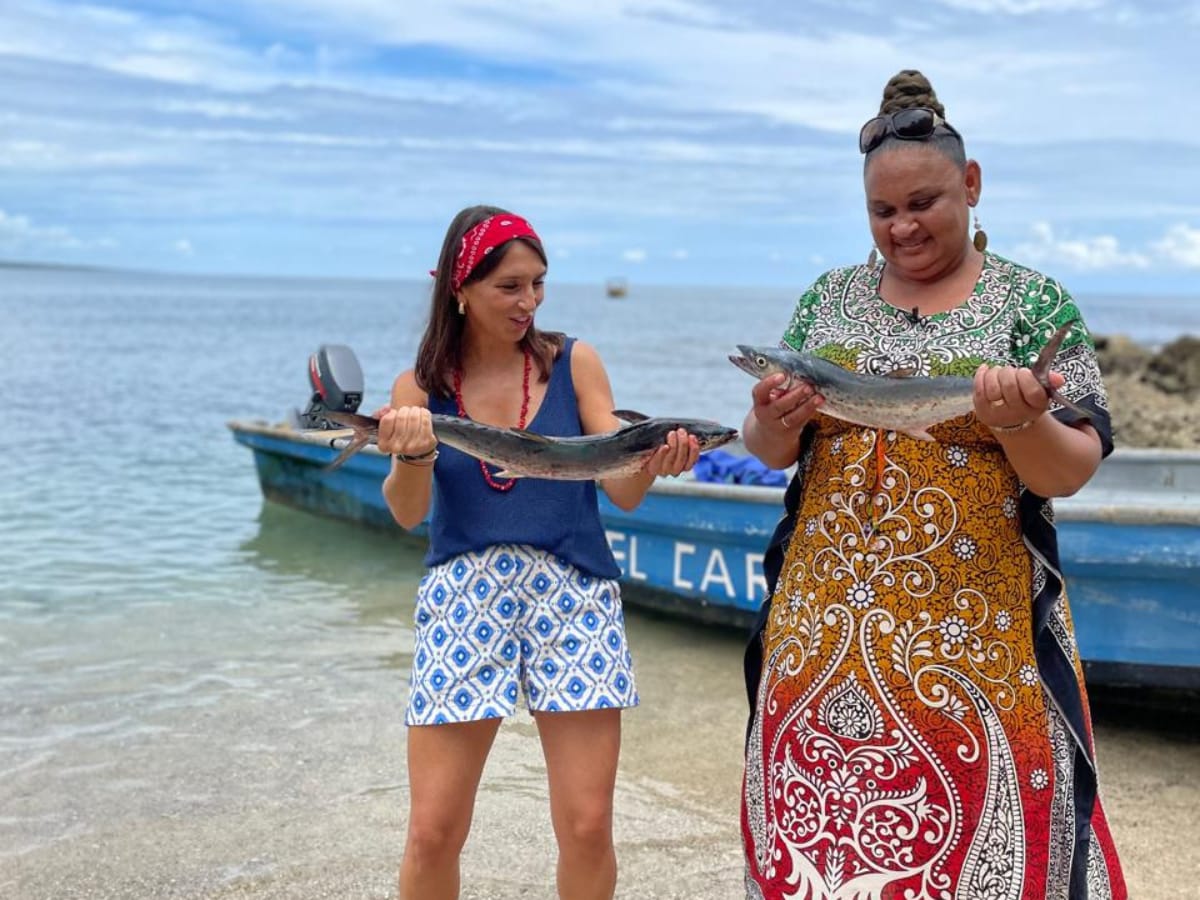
[1129, 543]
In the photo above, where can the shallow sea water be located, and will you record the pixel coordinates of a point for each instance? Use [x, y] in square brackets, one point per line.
[201, 695]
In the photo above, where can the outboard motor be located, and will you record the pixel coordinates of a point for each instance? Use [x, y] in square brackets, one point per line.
[337, 383]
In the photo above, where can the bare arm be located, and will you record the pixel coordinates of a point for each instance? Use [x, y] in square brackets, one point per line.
[405, 428]
[1052, 459]
[594, 395]
[772, 427]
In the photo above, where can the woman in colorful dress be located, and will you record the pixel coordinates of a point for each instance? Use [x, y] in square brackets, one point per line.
[919, 726]
[521, 596]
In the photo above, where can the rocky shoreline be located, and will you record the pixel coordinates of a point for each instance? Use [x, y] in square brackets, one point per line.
[1153, 395]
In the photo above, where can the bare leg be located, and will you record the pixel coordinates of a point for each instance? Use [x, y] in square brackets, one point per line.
[445, 763]
[581, 750]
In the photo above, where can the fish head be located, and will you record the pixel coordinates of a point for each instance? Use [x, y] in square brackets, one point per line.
[708, 434]
[714, 434]
[759, 362]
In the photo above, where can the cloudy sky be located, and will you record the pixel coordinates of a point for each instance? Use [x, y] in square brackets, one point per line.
[670, 141]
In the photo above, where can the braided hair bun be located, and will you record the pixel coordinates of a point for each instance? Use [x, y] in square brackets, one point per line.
[909, 88]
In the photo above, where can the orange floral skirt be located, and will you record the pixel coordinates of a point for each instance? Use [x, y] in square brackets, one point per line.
[904, 744]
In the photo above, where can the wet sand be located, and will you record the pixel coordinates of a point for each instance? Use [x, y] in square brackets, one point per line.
[1149, 758]
[297, 789]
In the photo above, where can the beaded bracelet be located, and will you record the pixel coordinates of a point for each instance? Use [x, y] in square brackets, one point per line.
[422, 459]
[1009, 429]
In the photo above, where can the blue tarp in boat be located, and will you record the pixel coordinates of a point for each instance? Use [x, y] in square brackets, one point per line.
[723, 467]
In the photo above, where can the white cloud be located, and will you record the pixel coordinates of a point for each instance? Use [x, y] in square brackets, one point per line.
[30, 156]
[296, 123]
[679, 254]
[216, 109]
[1087, 254]
[1024, 7]
[184, 247]
[164, 48]
[19, 234]
[1180, 246]
[688, 57]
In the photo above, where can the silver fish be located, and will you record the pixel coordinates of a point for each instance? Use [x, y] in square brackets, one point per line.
[520, 453]
[898, 402]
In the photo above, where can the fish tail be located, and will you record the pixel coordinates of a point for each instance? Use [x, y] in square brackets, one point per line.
[1041, 368]
[361, 438]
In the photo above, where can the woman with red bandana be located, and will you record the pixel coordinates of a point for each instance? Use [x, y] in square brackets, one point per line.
[919, 725]
[521, 596]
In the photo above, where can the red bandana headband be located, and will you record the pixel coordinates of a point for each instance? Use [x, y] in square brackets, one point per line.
[482, 239]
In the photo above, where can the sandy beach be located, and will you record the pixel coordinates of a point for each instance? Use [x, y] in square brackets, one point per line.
[294, 787]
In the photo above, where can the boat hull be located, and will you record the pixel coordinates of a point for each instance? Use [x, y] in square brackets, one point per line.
[1129, 546]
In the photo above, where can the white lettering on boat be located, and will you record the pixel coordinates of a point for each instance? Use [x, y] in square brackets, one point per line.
[677, 578]
[633, 566]
[716, 562]
[756, 582]
[690, 569]
[626, 559]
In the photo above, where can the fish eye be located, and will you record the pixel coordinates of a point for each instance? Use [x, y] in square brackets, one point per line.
[760, 360]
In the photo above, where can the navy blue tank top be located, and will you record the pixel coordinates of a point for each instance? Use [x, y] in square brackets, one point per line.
[561, 517]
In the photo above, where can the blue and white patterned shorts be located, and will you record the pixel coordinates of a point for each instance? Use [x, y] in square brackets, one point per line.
[515, 619]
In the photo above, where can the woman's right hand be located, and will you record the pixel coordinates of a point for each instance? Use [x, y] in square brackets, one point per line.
[780, 411]
[406, 430]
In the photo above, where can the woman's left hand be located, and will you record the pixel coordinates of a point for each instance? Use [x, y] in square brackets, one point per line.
[677, 455]
[1008, 397]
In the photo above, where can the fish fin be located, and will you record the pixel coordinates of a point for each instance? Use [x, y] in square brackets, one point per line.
[630, 415]
[360, 441]
[1041, 370]
[1067, 404]
[530, 435]
[906, 372]
[920, 434]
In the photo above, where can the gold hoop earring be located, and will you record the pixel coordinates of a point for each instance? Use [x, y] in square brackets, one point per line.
[462, 309]
[980, 237]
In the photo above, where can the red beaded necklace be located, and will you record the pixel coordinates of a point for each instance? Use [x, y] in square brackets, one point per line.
[487, 476]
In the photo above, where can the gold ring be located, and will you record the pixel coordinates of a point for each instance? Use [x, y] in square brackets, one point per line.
[999, 402]
[784, 420]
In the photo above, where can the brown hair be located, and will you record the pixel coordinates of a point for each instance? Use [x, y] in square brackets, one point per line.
[440, 351]
[909, 88]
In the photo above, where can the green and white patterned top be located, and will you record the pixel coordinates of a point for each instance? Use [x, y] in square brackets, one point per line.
[1008, 318]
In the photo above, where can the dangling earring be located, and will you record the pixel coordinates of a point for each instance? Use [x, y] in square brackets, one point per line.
[873, 258]
[462, 309]
[980, 237]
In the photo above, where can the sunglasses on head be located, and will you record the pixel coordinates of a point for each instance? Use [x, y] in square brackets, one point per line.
[916, 123]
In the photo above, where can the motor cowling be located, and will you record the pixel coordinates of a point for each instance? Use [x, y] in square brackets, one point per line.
[336, 380]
